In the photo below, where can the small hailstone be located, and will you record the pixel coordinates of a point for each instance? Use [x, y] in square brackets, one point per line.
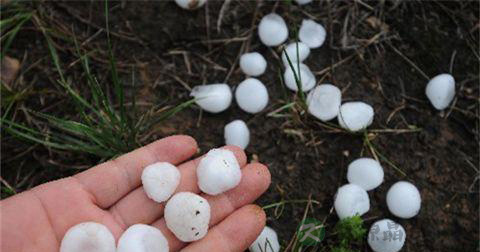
[390, 229]
[251, 95]
[267, 241]
[306, 76]
[351, 200]
[187, 215]
[291, 49]
[403, 200]
[160, 180]
[324, 102]
[190, 4]
[237, 133]
[355, 116]
[312, 33]
[272, 30]
[88, 236]
[366, 173]
[302, 2]
[142, 238]
[440, 90]
[213, 98]
[253, 64]
[218, 172]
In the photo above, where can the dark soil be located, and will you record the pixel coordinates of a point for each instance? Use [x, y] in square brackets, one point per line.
[165, 45]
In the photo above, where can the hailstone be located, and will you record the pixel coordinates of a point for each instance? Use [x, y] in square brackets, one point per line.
[253, 64]
[324, 102]
[440, 90]
[306, 78]
[365, 172]
[237, 133]
[403, 200]
[142, 238]
[386, 236]
[355, 116]
[88, 236]
[272, 30]
[160, 180]
[267, 241]
[251, 95]
[351, 200]
[213, 98]
[312, 33]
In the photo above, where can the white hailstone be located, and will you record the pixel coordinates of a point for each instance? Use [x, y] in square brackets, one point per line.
[291, 51]
[324, 102]
[306, 77]
[355, 116]
[386, 236]
[218, 172]
[272, 30]
[88, 236]
[312, 33]
[213, 98]
[267, 241]
[440, 90]
[302, 2]
[251, 95]
[351, 200]
[160, 180]
[190, 4]
[187, 215]
[237, 133]
[403, 200]
[365, 172]
[253, 64]
[142, 238]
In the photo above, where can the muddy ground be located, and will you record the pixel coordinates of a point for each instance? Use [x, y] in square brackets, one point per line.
[379, 52]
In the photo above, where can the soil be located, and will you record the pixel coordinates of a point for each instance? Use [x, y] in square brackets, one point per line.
[374, 52]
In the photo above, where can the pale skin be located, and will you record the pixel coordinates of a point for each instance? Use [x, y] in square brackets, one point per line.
[111, 194]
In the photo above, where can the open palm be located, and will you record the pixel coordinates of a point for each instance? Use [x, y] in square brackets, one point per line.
[111, 194]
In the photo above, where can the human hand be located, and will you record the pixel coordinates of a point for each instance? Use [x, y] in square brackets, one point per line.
[111, 193]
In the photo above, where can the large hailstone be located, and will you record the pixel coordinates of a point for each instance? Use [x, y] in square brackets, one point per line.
[142, 238]
[272, 30]
[218, 172]
[190, 4]
[306, 77]
[403, 200]
[355, 116]
[291, 51]
[312, 33]
[237, 133]
[187, 215]
[213, 98]
[386, 236]
[440, 90]
[251, 95]
[324, 102]
[267, 241]
[253, 64]
[88, 236]
[351, 200]
[366, 173]
[160, 180]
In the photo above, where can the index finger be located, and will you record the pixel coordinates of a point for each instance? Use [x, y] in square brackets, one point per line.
[110, 181]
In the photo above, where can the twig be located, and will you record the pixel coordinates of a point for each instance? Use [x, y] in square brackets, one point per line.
[409, 61]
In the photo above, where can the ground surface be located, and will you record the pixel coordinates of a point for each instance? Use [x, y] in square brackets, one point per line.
[379, 53]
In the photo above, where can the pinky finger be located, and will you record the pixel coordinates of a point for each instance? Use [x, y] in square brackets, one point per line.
[234, 234]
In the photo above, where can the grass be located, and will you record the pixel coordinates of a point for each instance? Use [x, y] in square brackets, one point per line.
[349, 231]
[17, 16]
[101, 128]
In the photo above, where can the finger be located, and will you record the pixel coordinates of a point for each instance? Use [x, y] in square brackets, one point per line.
[112, 180]
[127, 209]
[234, 234]
[255, 181]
